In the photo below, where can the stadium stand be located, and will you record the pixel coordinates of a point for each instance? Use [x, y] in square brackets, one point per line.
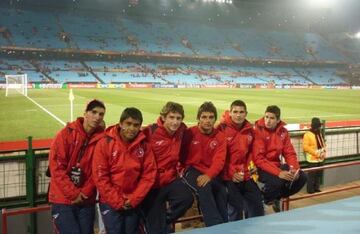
[31, 28]
[61, 30]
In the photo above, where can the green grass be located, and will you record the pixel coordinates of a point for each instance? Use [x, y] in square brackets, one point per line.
[20, 118]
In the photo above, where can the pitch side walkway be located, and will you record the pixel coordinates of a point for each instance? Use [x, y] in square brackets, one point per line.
[342, 216]
[23, 145]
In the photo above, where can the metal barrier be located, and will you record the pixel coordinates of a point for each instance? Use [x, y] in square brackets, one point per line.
[286, 201]
[5, 213]
[23, 182]
[22, 176]
[341, 142]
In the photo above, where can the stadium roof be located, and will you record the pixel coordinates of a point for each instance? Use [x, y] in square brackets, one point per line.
[307, 15]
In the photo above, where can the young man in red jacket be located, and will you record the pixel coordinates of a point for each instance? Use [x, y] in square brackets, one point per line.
[72, 191]
[276, 159]
[166, 137]
[243, 192]
[203, 155]
[123, 170]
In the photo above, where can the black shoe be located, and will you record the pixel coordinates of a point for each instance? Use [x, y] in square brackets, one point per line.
[317, 190]
[310, 192]
[276, 206]
[171, 228]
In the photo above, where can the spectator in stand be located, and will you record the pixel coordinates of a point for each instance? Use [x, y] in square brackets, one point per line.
[123, 170]
[243, 192]
[315, 152]
[276, 159]
[72, 191]
[203, 155]
[166, 137]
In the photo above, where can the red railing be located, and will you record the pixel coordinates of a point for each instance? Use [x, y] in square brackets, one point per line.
[5, 213]
[286, 201]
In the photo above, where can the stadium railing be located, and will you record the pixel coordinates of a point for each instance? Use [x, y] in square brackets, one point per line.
[286, 201]
[25, 184]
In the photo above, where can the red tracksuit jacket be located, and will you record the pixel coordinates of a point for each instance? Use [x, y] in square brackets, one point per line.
[123, 171]
[166, 150]
[269, 145]
[239, 144]
[206, 153]
[63, 155]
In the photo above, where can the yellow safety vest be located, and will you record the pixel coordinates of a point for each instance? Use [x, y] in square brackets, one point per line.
[312, 153]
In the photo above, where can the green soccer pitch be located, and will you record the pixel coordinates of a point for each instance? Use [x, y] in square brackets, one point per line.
[20, 117]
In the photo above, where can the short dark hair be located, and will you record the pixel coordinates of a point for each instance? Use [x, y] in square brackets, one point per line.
[315, 123]
[131, 112]
[207, 107]
[93, 104]
[275, 110]
[172, 107]
[238, 103]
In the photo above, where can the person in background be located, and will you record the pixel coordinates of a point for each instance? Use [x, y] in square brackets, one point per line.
[124, 170]
[166, 137]
[72, 193]
[276, 159]
[243, 193]
[315, 152]
[203, 156]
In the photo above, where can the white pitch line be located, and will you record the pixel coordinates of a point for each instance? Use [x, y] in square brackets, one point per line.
[51, 114]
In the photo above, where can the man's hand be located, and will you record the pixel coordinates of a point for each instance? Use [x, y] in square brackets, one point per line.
[127, 205]
[286, 175]
[322, 155]
[296, 173]
[202, 180]
[238, 177]
[79, 199]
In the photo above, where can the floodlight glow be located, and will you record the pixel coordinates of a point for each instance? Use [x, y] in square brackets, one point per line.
[218, 1]
[321, 3]
[357, 35]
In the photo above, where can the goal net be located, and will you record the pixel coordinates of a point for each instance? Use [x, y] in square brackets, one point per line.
[16, 84]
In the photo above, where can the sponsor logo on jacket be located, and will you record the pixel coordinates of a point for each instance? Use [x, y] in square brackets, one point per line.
[159, 142]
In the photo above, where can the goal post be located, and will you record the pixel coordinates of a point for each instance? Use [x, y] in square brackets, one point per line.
[17, 83]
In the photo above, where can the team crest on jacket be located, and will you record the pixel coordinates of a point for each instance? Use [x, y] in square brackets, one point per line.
[140, 152]
[213, 144]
